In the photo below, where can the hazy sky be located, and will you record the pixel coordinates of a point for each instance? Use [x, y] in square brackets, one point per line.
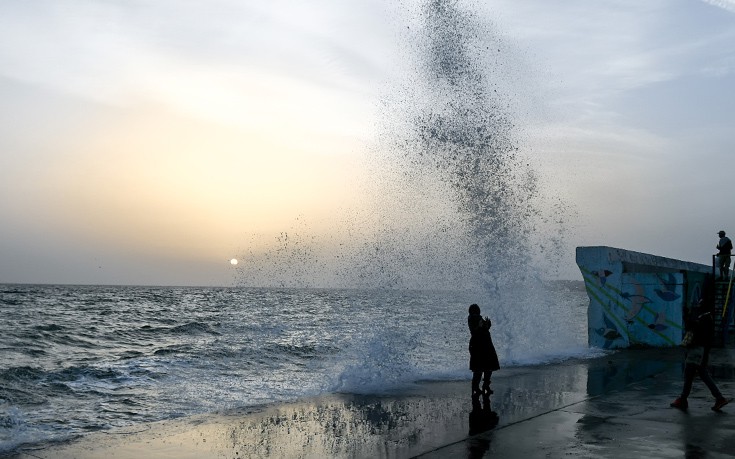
[147, 142]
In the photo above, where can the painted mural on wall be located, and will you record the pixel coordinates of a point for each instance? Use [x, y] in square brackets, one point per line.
[635, 308]
[645, 310]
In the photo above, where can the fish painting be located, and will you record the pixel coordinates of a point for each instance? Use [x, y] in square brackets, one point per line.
[602, 276]
[668, 292]
[609, 332]
[637, 301]
[659, 323]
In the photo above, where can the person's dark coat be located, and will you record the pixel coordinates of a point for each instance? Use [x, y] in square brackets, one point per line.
[482, 351]
[704, 328]
[702, 324]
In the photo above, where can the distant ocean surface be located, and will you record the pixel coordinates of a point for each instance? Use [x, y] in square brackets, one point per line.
[78, 359]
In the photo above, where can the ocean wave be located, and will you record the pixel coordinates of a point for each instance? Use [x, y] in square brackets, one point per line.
[137, 366]
[184, 329]
[305, 351]
[174, 349]
[22, 373]
[49, 327]
[193, 327]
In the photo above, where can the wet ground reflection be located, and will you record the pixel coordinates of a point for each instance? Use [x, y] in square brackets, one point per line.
[482, 418]
[573, 406]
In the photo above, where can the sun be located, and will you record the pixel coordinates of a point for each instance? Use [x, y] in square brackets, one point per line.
[233, 262]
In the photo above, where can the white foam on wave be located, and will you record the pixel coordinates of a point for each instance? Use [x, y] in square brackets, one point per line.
[531, 326]
[374, 363]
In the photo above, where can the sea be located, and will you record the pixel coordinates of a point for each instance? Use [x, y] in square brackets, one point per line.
[81, 359]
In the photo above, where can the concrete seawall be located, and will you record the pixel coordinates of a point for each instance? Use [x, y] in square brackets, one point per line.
[638, 299]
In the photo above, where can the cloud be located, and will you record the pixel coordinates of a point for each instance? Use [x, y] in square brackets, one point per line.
[728, 5]
[202, 59]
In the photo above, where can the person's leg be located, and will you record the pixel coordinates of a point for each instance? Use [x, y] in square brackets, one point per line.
[690, 371]
[723, 263]
[476, 377]
[719, 265]
[707, 379]
[726, 266]
[486, 383]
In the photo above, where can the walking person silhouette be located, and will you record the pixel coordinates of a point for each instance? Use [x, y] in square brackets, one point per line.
[700, 324]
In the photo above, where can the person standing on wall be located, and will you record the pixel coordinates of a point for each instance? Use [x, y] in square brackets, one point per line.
[724, 248]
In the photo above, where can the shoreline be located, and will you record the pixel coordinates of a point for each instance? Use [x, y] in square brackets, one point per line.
[561, 404]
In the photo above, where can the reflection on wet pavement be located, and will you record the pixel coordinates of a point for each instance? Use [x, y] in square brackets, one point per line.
[614, 406]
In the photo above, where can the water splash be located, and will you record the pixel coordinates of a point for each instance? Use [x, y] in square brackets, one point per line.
[454, 199]
[460, 129]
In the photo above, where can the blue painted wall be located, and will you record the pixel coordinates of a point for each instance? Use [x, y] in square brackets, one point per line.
[637, 299]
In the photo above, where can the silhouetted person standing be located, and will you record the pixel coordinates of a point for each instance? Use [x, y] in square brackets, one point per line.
[701, 323]
[483, 358]
[724, 247]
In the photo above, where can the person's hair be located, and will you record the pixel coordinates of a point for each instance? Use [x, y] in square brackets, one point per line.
[474, 309]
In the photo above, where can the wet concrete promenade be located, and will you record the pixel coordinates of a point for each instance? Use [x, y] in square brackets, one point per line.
[610, 407]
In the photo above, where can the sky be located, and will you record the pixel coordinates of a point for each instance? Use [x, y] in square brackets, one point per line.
[152, 142]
